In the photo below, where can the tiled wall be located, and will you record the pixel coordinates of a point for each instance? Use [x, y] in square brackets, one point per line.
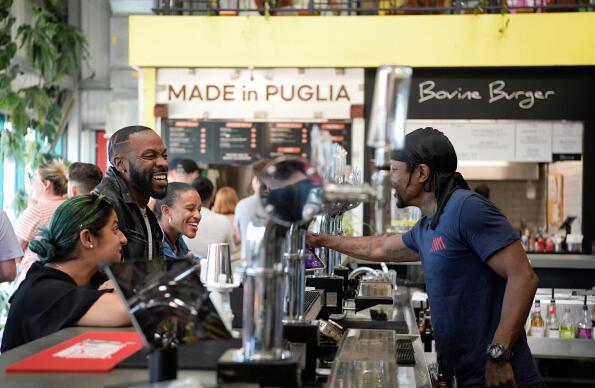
[511, 199]
[511, 196]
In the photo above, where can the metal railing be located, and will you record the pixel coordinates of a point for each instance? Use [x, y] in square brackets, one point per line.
[365, 7]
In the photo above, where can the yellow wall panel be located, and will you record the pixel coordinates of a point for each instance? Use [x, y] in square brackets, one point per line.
[550, 39]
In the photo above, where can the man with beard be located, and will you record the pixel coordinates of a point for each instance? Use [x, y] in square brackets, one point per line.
[479, 282]
[138, 172]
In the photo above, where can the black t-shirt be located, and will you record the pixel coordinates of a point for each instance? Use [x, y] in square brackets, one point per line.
[47, 301]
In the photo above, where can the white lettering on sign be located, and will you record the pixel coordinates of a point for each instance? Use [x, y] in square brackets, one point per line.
[496, 91]
[527, 97]
[426, 92]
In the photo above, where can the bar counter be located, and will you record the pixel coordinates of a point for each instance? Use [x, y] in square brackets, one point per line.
[417, 374]
[408, 376]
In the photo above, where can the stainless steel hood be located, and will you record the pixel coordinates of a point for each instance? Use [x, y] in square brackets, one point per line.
[498, 170]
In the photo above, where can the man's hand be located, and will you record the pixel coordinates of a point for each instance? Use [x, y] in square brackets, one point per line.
[313, 239]
[499, 374]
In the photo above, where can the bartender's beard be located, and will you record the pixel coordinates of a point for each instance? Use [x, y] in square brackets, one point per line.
[144, 183]
[401, 203]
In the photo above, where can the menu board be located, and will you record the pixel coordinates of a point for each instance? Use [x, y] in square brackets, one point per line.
[567, 137]
[243, 142]
[481, 141]
[533, 141]
[288, 139]
[177, 135]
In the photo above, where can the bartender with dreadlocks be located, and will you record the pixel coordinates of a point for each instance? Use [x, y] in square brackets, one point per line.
[479, 281]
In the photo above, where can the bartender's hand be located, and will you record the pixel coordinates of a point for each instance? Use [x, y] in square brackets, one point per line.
[314, 240]
[499, 374]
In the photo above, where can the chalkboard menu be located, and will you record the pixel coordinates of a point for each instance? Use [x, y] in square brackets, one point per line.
[243, 142]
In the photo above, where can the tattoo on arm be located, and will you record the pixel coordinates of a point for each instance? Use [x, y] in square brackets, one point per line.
[401, 254]
[369, 248]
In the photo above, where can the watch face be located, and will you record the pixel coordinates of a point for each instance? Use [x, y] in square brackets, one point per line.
[495, 351]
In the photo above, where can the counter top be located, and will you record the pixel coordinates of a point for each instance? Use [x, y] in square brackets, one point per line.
[409, 376]
[118, 376]
[406, 374]
[561, 348]
[564, 261]
[537, 260]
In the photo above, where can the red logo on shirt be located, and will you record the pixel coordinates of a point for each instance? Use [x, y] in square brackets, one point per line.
[437, 244]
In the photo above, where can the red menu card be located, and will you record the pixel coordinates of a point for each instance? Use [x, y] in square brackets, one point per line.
[88, 352]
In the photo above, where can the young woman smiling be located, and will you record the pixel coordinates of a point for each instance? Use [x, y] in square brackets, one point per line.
[56, 292]
[178, 214]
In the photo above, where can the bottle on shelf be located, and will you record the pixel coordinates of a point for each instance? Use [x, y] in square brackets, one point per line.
[584, 326]
[540, 243]
[537, 325]
[567, 327]
[428, 334]
[441, 379]
[420, 322]
[552, 323]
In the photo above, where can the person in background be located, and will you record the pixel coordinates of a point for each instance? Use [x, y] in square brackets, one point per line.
[178, 214]
[213, 228]
[183, 170]
[247, 207]
[82, 178]
[48, 190]
[225, 202]
[138, 172]
[56, 292]
[478, 278]
[483, 190]
[10, 250]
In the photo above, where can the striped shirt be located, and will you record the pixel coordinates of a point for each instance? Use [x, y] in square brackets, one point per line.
[28, 225]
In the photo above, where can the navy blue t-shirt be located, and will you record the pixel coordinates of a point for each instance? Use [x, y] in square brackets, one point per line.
[465, 293]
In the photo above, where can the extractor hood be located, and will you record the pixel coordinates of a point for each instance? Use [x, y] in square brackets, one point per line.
[498, 170]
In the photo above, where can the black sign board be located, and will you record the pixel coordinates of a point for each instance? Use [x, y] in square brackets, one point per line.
[500, 93]
[566, 157]
[242, 142]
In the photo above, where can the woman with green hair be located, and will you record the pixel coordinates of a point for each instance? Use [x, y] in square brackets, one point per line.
[56, 292]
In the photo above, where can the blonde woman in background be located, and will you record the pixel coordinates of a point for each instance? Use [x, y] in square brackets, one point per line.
[225, 203]
[48, 190]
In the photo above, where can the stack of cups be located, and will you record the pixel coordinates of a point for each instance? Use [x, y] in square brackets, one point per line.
[218, 278]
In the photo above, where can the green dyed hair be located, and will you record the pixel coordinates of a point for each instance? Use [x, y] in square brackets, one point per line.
[58, 240]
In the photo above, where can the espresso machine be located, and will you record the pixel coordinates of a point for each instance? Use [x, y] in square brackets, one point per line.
[274, 285]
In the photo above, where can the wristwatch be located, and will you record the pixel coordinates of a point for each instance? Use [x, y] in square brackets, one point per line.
[498, 352]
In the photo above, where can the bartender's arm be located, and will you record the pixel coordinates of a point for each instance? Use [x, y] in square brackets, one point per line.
[512, 264]
[374, 248]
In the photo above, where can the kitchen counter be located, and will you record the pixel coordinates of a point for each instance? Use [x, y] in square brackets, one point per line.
[560, 348]
[565, 261]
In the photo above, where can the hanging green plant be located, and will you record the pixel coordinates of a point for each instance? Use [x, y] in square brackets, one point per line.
[53, 49]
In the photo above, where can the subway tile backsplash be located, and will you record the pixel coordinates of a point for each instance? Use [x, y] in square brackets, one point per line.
[511, 199]
[511, 196]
